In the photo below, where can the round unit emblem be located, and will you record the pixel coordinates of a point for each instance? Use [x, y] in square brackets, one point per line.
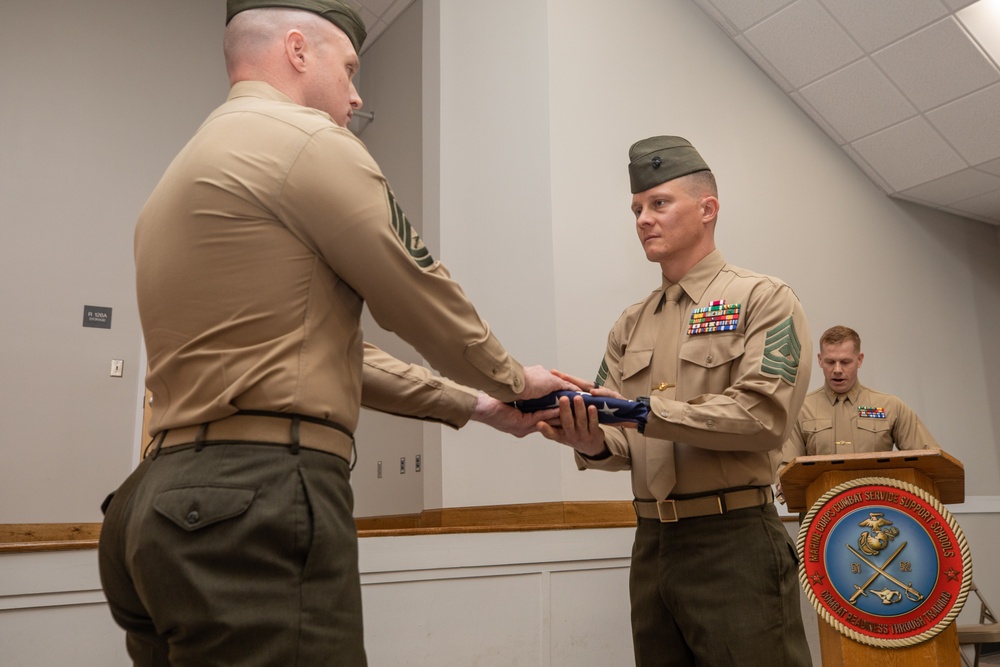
[883, 562]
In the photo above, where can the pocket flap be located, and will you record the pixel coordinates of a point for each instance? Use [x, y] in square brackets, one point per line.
[816, 425]
[635, 361]
[873, 425]
[194, 507]
[712, 350]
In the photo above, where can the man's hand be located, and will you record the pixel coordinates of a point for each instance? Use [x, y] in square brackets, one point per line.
[578, 427]
[509, 419]
[538, 381]
[587, 385]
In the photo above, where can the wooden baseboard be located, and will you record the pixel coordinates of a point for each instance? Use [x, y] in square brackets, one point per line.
[48, 536]
[499, 518]
[21, 537]
[17, 537]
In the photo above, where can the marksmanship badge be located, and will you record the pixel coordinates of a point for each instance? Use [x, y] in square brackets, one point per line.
[883, 562]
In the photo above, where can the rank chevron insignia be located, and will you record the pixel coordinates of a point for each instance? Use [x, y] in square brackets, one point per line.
[602, 373]
[408, 235]
[781, 352]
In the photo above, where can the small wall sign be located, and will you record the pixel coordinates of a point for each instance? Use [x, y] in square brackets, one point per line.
[97, 316]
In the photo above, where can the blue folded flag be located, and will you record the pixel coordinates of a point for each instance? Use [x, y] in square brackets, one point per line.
[609, 410]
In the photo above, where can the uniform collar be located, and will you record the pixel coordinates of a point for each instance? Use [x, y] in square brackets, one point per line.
[257, 89]
[696, 281]
[852, 394]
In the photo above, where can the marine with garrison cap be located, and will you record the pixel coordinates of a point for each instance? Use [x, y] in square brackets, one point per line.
[233, 542]
[715, 351]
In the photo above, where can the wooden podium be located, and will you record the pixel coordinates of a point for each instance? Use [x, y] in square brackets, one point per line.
[807, 478]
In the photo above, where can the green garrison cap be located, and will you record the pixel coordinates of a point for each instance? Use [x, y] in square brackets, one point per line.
[660, 159]
[337, 13]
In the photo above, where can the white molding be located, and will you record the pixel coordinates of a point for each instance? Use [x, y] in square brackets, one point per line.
[972, 505]
[977, 505]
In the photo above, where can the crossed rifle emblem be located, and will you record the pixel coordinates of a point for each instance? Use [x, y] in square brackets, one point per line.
[872, 542]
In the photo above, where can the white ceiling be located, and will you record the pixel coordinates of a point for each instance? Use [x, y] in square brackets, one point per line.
[900, 85]
[378, 14]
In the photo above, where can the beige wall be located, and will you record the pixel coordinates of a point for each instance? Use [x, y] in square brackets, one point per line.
[97, 99]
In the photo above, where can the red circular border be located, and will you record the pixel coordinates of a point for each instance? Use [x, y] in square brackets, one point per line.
[814, 578]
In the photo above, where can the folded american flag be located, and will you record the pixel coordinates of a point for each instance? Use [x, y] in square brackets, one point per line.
[609, 410]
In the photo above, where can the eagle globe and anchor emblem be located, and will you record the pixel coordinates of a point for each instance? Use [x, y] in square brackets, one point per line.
[883, 562]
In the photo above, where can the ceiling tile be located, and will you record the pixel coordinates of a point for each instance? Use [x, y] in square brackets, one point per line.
[867, 168]
[909, 154]
[972, 125]
[875, 24]
[378, 7]
[955, 5]
[745, 13]
[993, 167]
[985, 207]
[817, 118]
[762, 63]
[803, 42]
[858, 100]
[937, 65]
[718, 17]
[393, 11]
[955, 187]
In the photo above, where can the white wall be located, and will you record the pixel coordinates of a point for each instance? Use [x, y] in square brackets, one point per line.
[495, 223]
[96, 102]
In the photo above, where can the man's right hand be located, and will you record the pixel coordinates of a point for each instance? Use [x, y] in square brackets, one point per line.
[539, 381]
[578, 427]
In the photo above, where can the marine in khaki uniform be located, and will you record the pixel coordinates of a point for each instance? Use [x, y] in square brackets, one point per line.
[845, 417]
[233, 542]
[715, 350]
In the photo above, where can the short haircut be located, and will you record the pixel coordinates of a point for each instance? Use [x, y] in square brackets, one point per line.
[700, 183]
[838, 334]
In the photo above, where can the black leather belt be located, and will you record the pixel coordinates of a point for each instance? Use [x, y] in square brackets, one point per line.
[720, 502]
[262, 428]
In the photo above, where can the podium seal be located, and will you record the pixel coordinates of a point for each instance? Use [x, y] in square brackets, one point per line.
[883, 562]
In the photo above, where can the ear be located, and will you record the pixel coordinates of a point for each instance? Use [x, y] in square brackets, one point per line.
[709, 208]
[861, 357]
[295, 50]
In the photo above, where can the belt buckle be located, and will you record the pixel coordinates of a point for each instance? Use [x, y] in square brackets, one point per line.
[661, 504]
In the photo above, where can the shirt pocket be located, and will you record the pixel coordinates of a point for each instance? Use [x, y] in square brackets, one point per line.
[818, 436]
[707, 361]
[635, 372]
[875, 435]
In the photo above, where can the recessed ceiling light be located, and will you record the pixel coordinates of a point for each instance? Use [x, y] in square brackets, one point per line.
[982, 19]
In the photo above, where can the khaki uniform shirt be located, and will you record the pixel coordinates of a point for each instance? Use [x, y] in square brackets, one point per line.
[862, 420]
[737, 391]
[393, 386]
[253, 256]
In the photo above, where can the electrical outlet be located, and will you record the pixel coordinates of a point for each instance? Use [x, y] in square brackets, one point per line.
[402, 465]
[416, 463]
[379, 469]
[117, 366]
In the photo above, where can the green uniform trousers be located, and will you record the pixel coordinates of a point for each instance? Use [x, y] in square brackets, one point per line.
[235, 554]
[716, 591]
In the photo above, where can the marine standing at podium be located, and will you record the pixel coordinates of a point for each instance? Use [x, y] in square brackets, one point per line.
[844, 416]
[715, 350]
